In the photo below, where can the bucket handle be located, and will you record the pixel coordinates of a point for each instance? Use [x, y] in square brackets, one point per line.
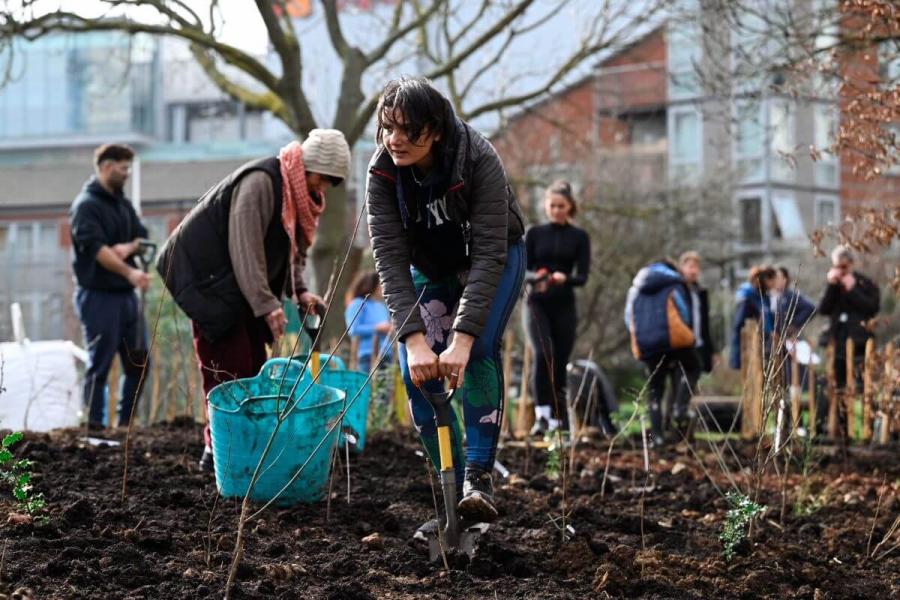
[240, 405]
[332, 362]
[275, 368]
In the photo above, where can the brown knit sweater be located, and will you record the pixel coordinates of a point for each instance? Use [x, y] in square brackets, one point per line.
[252, 210]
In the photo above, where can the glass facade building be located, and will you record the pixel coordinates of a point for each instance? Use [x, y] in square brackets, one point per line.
[87, 85]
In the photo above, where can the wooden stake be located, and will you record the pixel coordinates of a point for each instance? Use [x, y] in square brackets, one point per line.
[888, 412]
[113, 388]
[796, 390]
[524, 412]
[850, 389]
[756, 384]
[171, 392]
[868, 390]
[354, 353]
[813, 403]
[195, 390]
[747, 333]
[154, 399]
[832, 391]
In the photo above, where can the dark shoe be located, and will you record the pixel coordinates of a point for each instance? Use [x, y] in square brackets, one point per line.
[477, 505]
[98, 427]
[539, 429]
[206, 461]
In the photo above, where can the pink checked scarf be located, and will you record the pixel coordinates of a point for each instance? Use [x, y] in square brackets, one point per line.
[297, 205]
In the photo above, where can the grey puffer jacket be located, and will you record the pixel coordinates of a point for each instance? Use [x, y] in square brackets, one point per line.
[478, 194]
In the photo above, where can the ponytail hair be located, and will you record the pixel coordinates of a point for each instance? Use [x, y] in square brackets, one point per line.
[564, 189]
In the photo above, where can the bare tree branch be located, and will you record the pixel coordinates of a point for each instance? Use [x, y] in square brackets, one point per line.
[454, 61]
[267, 101]
[61, 21]
[379, 51]
[334, 28]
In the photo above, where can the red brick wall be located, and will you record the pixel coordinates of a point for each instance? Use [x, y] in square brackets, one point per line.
[860, 70]
[567, 128]
[636, 77]
[559, 130]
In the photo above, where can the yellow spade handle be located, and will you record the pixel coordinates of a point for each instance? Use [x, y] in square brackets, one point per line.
[314, 364]
[445, 448]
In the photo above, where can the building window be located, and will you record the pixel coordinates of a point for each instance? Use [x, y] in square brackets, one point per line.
[47, 239]
[893, 154]
[648, 130]
[749, 141]
[826, 212]
[787, 223]
[783, 141]
[213, 121]
[685, 153]
[23, 240]
[751, 220]
[685, 53]
[889, 62]
[825, 125]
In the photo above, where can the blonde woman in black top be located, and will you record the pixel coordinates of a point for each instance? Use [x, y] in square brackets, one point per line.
[558, 259]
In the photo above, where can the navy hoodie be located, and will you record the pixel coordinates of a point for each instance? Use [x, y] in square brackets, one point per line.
[99, 218]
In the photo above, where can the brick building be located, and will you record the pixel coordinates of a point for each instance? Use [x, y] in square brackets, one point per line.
[643, 117]
[611, 118]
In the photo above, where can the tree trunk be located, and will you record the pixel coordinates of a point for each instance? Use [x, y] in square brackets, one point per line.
[327, 255]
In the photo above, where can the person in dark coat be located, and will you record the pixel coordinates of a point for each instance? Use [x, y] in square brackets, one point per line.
[235, 257]
[446, 235]
[559, 253]
[106, 235]
[850, 301]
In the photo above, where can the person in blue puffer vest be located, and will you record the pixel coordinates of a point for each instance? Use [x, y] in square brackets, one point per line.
[659, 316]
[368, 318]
[752, 302]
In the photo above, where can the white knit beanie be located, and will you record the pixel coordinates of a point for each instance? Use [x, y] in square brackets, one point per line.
[325, 151]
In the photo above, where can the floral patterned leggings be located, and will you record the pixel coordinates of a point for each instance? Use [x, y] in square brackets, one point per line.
[483, 387]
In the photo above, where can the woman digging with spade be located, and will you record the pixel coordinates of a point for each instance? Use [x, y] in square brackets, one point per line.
[447, 240]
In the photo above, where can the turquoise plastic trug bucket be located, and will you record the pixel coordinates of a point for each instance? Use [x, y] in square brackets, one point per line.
[334, 374]
[351, 383]
[244, 412]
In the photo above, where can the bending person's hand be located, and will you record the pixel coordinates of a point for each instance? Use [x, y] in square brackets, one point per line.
[454, 359]
[277, 322]
[558, 278]
[421, 360]
[139, 279]
[307, 301]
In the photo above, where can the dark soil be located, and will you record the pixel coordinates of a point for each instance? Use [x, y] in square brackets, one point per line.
[172, 539]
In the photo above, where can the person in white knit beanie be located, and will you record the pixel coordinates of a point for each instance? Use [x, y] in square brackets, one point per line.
[241, 251]
[325, 151]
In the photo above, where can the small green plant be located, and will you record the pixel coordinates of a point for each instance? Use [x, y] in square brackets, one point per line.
[554, 461]
[808, 501]
[18, 473]
[742, 512]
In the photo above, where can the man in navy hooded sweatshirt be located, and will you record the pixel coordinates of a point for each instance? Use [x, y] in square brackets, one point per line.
[106, 234]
